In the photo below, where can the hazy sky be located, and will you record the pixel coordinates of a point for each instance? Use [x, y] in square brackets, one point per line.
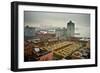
[51, 19]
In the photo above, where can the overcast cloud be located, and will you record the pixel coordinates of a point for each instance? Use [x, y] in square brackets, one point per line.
[51, 19]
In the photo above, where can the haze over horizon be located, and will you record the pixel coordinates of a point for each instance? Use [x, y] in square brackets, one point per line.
[48, 20]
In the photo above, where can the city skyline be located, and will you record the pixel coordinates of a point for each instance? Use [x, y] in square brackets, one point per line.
[47, 20]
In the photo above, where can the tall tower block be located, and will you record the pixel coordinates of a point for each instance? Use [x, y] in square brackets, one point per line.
[70, 29]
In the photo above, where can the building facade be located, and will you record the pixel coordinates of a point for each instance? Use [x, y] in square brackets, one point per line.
[61, 33]
[29, 32]
[70, 29]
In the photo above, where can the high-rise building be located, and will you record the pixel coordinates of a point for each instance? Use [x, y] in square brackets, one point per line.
[70, 29]
[29, 32]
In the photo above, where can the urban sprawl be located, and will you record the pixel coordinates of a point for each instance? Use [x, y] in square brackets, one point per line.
[54, 44]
